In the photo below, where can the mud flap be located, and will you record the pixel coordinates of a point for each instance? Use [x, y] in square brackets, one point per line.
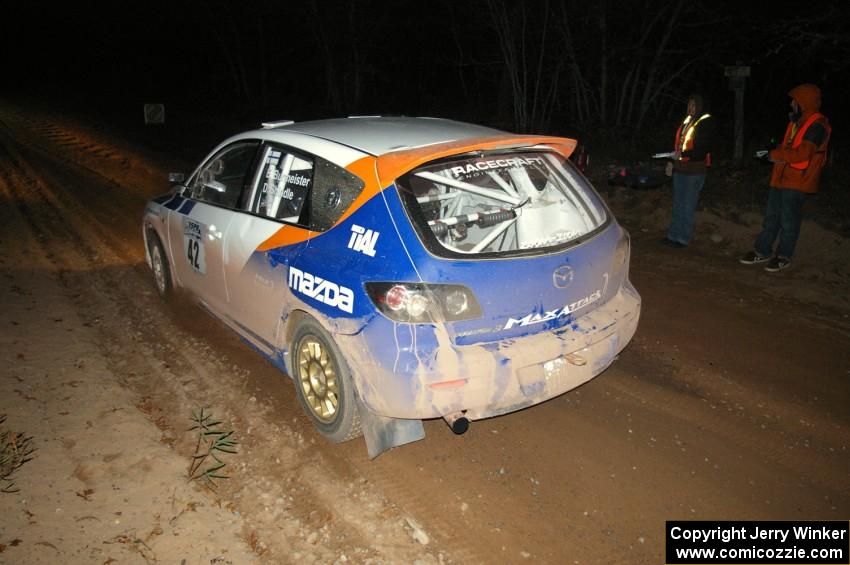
[384, 433]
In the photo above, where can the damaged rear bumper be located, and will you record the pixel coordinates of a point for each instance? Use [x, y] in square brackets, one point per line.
[416, 372]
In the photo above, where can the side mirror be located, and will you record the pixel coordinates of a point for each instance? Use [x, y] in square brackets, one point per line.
[176, 178]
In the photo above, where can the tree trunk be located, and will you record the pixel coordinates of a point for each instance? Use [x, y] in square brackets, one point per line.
[332, 95]
[650, 90]
[603, 64]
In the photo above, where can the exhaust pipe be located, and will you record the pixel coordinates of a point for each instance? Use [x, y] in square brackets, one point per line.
[457, 422]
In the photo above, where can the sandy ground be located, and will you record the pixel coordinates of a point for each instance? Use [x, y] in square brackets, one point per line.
[731, 402]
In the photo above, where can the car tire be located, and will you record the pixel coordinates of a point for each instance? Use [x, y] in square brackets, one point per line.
[323, 383]
[159, 265]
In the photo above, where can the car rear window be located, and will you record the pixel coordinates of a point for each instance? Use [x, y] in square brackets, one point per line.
[502, 203]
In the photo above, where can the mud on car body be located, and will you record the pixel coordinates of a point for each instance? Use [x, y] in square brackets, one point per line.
[400, 269]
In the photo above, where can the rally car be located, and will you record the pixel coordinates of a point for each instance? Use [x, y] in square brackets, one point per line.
[401, 269]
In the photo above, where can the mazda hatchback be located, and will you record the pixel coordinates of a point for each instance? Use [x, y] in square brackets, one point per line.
[400, 269]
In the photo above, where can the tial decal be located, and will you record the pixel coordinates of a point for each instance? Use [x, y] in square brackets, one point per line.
[322, 290]
[363, 240]
[553, 314]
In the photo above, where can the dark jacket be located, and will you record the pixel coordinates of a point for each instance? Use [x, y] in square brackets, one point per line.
[695, 161]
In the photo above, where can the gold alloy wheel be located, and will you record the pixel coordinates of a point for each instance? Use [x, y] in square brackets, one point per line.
[317, 376]
[158, 269]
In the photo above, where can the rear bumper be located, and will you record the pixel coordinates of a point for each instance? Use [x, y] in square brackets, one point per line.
[416, 372]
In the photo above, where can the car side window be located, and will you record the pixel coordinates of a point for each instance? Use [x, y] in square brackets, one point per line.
[221, 180]
[283, 186]
[302, 189]
[333, 192]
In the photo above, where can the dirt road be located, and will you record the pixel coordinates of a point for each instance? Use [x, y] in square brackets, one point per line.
[730, 403]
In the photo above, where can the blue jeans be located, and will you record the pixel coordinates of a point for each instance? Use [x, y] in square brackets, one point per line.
[783, 217]
[686, 189]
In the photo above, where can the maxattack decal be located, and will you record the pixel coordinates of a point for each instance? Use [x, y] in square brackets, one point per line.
[193, 245]
[553, 314]
[363, 240]
[321, 290]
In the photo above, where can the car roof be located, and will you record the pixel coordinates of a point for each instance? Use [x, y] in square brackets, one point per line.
[378, 135]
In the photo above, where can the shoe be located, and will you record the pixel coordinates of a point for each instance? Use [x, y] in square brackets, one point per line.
[753, 258]
[673, 243]
[777, 264]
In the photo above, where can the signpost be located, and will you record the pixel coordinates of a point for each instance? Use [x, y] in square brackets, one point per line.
[737, 80]
[154, 114]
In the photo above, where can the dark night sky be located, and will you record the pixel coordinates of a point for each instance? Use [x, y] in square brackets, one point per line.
[315, 58]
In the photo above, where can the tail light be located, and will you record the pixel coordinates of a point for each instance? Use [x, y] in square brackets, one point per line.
[420, 303]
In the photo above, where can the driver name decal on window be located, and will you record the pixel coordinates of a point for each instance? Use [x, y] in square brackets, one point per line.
[286, 180]
[272, 186]
[298, 180]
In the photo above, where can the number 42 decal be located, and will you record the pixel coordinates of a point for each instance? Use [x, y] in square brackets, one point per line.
[193, 251]
[193, 245]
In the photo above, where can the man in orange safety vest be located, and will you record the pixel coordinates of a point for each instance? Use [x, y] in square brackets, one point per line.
[797, 165]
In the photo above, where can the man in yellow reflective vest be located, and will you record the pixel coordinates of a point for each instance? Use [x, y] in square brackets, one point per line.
[797, 165]
[691, 159]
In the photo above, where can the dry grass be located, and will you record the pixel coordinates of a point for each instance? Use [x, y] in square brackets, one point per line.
[212, 442]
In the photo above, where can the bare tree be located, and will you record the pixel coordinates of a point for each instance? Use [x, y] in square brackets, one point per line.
[533, 76]
[332, 93]
[228, 37]
[583, 103]
[631, 61]
[811, 36]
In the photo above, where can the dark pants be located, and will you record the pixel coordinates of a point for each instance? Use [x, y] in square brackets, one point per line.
[686, 189]
[783, 217]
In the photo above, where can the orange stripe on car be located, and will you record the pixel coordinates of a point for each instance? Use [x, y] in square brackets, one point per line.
[364, 169]
[286, 235]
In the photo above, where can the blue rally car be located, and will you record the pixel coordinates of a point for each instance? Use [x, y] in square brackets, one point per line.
[400, 269]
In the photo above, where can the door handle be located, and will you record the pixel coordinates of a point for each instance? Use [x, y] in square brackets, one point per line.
[214, 233]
